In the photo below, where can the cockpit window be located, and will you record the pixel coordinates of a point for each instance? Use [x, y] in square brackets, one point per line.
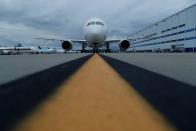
[99, 23]
[93, 23]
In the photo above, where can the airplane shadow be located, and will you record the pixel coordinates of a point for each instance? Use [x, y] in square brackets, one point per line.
[174, 99]
[20, 97]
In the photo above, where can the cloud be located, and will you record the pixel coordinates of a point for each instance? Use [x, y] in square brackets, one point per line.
[65, 18]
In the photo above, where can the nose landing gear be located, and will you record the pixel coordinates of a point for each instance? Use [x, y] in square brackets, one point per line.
[95, 50]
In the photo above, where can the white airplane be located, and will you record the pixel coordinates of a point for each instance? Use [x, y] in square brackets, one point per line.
[95, 36]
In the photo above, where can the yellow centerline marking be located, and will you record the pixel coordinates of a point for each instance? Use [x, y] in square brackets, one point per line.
[95, 98]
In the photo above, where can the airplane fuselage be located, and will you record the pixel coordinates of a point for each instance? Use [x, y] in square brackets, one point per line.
[95, 32]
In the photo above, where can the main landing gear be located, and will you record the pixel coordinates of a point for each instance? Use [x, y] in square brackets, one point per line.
[83, 48]
[108, 48]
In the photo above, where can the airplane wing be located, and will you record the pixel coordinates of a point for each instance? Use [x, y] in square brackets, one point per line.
[79, 41]
[124, 44]
[50, 39]
[62, 40]
[110, 41]
[67, 45]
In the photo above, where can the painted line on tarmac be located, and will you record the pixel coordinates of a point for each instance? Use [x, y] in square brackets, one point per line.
[21, 97]
[95, 98]
[174, 99]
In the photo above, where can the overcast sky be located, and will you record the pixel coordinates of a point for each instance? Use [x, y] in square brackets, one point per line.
[20, 20]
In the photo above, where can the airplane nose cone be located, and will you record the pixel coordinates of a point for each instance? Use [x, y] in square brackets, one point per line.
[95, 35]
[97, 32]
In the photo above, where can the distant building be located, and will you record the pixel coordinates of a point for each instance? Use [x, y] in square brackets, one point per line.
[175, 33]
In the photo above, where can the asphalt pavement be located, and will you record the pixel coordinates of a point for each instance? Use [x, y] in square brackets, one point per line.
[154, 76]
[20, 97]
[178, 66]
[165, 81]
[14, 67]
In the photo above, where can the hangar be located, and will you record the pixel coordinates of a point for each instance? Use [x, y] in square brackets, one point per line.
[173, 34]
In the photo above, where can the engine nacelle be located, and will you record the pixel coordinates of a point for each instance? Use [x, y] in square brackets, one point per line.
[67, 45]
[124, 45]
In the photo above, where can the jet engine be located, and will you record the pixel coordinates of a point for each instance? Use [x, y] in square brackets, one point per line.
[67, 45]
[124, 45]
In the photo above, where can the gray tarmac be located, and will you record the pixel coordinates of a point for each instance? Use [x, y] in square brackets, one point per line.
[14, 67]
[178, 66]
[144, 71]
[166, 81]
